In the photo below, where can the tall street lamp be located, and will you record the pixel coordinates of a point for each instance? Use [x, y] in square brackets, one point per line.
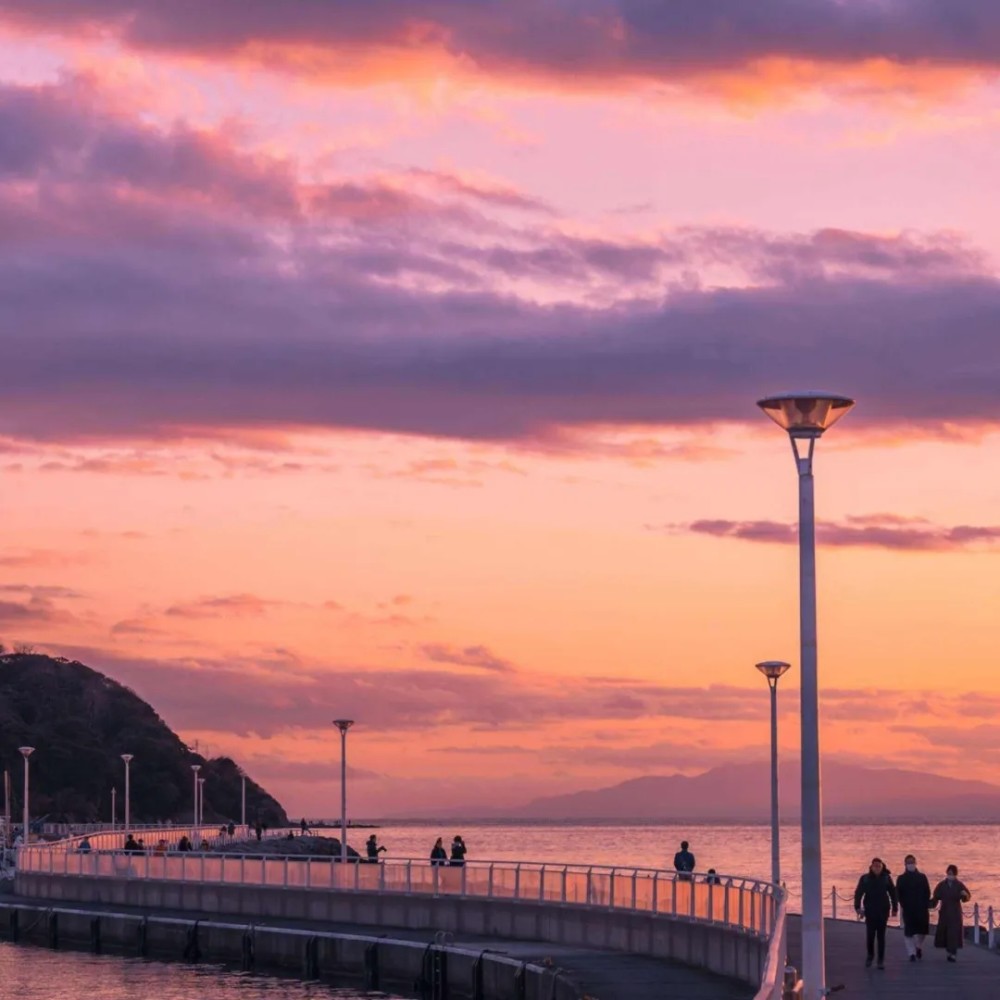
[127, 757]
[195, 768]
[26, 752]
[243, 798]
[201, 801]
[806, 415]
[343, 725]
[114, 811]
[772, 670]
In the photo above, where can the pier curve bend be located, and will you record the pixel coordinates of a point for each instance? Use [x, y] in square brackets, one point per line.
[728, 925]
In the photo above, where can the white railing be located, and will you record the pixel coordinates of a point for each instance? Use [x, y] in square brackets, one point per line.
[742, 903]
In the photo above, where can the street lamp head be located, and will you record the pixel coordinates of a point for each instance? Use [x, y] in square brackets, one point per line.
[127, 757]
[773, 669]
[343, 724]
[196, 768]
[805, 414]
[25, 752]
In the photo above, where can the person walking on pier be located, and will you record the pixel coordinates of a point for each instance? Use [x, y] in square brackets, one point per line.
[684, 861]
[875, 896]
[914, 892]
[951, 894]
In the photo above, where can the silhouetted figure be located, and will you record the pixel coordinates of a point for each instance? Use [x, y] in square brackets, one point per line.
[259, 830]
[304, 826]
[951, 894]
[684, 861]
[712, 878]
[131, 846]
[290, 835]
[204, 845]
[142, 845]
[439, 856]
[458, 851]
[184, 844]
[876, 896]
[231, 829]
[84, 846]
[373, 848]
[914, 892]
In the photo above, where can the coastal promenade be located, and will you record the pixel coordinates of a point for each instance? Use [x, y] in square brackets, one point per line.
[976, 975]
[712, 936]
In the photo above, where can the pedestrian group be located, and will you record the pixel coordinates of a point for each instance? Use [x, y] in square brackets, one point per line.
[877, 898]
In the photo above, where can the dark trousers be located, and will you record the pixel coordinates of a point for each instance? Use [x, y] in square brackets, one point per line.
[876, 928]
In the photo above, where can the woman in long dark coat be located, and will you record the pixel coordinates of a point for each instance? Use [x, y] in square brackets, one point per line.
[951, 894]
[914, 893]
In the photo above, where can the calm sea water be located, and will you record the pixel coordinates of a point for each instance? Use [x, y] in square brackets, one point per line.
[737, 850]
[28, 973]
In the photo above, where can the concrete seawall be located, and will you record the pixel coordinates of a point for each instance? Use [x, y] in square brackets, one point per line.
[719, 949]
[415, 968]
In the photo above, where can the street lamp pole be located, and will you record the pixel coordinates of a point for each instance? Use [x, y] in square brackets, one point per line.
[805, 416]
[343, 725]
[127, 757]
[26, 752]
[195, 768]
[772, 670]
[201, 801]
[114, 810]
[243, 798]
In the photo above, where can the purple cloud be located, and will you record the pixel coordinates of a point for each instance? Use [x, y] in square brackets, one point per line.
[153, 315]
[469, 656]
[607, 38]
[883, 531]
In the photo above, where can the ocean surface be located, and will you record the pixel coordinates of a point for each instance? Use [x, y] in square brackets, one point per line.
[735, 850]
[30, 973]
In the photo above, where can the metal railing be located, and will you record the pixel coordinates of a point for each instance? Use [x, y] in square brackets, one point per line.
[742, 903]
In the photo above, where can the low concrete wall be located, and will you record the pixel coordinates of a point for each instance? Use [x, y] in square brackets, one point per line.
[716, 948]
[374, 962]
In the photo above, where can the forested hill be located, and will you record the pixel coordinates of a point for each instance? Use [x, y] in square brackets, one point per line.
[80, 721]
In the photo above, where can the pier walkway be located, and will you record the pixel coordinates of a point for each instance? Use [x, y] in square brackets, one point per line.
[601, 974]
[976, 975]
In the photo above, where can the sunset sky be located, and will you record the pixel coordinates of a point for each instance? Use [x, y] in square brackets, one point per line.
[396, 359]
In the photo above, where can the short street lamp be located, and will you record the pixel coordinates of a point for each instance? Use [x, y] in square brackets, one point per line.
[343, 725]
[127, 757]
[772, 670]
[243, 798]
[806, 415]
[26, 752]
[195, 768]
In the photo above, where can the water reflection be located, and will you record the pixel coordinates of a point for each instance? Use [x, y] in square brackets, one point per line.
[31, 973]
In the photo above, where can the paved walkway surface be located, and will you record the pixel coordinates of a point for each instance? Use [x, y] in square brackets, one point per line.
[975, 976]
[603, 975]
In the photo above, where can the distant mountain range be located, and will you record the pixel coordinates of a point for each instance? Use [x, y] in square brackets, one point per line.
[742, 793]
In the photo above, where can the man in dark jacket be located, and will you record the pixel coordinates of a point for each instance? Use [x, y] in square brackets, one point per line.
[684, 861]
[914, 893]
[877, 895]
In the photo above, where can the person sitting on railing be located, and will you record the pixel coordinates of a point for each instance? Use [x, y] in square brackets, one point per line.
[684, 861]
[458, 850]
[712, 878]
[373, 849]
[874, 896]
[439, 856]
